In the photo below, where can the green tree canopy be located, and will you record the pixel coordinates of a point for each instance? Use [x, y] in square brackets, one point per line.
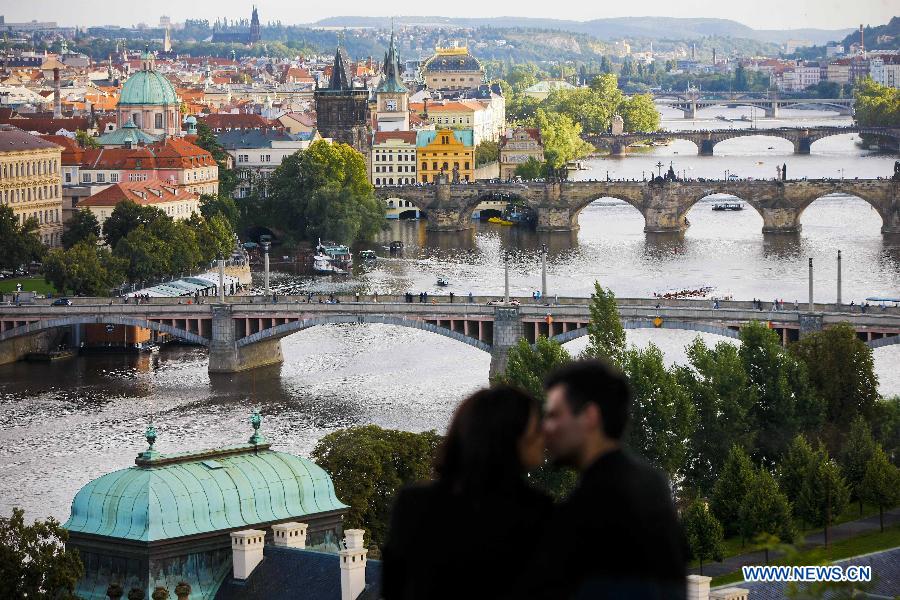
[220, 205]
[793, 467]
[19, 243]
[765, 511]
[207, 140]
[528, 366]
[719, 389]
[824, 494]
[841, 370]
[881, 483]
[606, 336]
[530, 169]
[876, 105]
[81, 226]
[857, 452]
[125, 217]
[34, 562]
[731, 488]
[487, 152]
[662, 416]
[324, 192]
[368, 465]
[704, 533]
[639, 113]
[85, 269]
[562, 138]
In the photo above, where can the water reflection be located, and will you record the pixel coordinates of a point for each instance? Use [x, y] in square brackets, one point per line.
[781, 246]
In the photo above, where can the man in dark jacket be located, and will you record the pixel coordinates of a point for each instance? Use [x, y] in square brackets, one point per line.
[617, 535]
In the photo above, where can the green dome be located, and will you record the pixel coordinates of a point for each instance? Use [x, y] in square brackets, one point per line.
[147, 87]
[174, 495]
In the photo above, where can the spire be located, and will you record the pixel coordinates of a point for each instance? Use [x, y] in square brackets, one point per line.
[391, 80]
[339, 79]
[256, 420]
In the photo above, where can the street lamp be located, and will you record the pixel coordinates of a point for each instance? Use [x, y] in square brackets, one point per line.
[543, 271]
[506, 277]
[265, 247]
[842, 173]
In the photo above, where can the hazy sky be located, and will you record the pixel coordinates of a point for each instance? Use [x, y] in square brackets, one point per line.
[760, 14]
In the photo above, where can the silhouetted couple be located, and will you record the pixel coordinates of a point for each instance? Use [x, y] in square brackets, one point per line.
[480, 530]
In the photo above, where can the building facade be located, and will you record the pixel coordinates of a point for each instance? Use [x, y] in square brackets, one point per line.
[256, 154]
[391, 96]
[393, 158]
[177, 203]
[30, 182]
[453, 68]
[447, 152]
[517, 146]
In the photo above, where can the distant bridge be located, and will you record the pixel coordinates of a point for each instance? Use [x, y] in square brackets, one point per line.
[664, 204]
[802, 138]
[690, 103]
[245, 333]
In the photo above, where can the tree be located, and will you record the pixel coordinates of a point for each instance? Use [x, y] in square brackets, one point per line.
[207, 140]
[765, 512]
[562, 139]
[740, 79]
[19, 243]
[731, 488]
[886, 427]
[639, 113]
[824, 494]
[793, 468]
[786, 404]
[82, 225]
[220, 205]
[368, 465]
[530, 169]
[719, 389]
[841, 370]
[324, 191]
[86, 140]
[147, 256]
[662, 416]
[881, 483]
[487, 152]
[858, 451]
[85, 269]
[704, 533]
[34, 562]
[606, 336]
[126, 217]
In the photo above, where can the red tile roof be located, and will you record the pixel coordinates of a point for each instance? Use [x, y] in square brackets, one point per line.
[148, 192]
[227, 121]
[407, 136]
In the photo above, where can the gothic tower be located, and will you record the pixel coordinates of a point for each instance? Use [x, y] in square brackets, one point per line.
[254, 26]
[342, 111]
[392, 97]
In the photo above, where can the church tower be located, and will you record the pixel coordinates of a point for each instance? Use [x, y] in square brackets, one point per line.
[342, 111]
[254, 26]
[392, 97]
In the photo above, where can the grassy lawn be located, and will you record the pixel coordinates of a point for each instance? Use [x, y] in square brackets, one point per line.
[29, 284]
[861, 544]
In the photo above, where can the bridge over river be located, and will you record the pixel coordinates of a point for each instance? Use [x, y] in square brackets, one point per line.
[689, 103]
[245, 332]
[664, 204]
[801, 138]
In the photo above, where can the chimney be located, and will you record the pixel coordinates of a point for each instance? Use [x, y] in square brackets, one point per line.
[353, 564]
[698, 587]
[290, 535]
[246, 551]
[57, 100]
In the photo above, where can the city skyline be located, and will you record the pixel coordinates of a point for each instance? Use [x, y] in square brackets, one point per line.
[768, 14]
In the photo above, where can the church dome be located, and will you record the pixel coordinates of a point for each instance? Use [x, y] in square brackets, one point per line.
[171, 496]
[148, 87]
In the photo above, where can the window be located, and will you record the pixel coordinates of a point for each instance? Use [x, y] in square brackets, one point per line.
[467, 165]
[242, 158]
[86, 177]
[424, 166]
[159, 121]
[68, 178]
[101, 177]
[114, 177]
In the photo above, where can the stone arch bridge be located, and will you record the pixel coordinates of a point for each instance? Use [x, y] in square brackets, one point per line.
[664, 204]
[246, 332]
[801, 138]
[690, 103]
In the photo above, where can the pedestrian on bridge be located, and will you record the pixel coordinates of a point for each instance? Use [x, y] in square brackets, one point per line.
[451, 297]
[471, 298]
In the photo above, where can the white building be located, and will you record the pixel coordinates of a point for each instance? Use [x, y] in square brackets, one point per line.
[257, 153]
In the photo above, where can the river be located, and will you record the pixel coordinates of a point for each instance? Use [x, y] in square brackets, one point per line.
[68, 422]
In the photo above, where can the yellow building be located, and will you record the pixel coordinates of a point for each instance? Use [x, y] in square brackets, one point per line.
[30, 181]
[445, 151]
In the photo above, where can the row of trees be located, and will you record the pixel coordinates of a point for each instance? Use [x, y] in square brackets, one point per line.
[876, 106]
[20, 243]
[142, 244]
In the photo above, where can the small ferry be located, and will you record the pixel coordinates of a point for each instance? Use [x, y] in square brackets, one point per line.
[577, 165]
[332, 258]
[442, 282]
[396, 246]
[728, 206]
[368, 255]
[499, 221]
[322, 265]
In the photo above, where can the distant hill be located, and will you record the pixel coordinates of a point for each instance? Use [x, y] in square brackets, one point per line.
[608, 29]
[890, 30]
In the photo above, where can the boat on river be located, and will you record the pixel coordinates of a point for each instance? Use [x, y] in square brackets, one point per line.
[332, 258]
[728, 206]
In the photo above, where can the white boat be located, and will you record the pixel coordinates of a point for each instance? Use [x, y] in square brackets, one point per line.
[322, 265]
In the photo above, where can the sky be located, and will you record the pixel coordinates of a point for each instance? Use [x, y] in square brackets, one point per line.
[759, 14]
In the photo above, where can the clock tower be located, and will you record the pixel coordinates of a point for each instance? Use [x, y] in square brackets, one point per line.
[392, 97]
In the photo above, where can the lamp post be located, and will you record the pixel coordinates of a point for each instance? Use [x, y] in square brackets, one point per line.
[506, 277]
[810, 285]
[222, 280]
[543, 270]
[265, 247]
[839, 278]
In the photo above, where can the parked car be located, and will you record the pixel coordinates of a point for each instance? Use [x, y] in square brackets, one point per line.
[62, 302]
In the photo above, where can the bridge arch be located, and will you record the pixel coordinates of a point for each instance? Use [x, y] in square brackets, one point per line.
[889, 340]
[853, 193]
[563, 338]
[286, 329]
[101, 319]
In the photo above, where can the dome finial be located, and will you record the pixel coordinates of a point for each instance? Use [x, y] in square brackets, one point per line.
[256, 421]
[150, 435]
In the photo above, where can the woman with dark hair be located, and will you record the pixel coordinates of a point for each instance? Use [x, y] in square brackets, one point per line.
[472, 533]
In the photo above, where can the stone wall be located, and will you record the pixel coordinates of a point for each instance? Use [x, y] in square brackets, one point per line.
[16, 348]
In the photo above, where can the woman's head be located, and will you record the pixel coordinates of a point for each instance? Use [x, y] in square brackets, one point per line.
[495, 436]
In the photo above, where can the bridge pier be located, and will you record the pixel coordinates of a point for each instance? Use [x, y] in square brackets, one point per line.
[810, 323]
[508, 330]
[706, 147]
[802, 145]
[617, 148]
[662, 208]
[781, 220]
[225, 356]
[771, 110]
[447, 219]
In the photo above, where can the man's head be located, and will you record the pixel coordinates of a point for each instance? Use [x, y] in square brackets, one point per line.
[588, 402]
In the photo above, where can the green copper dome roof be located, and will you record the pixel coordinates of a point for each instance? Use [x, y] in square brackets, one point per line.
[147, 87]
[176, 495]
[129, 133]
